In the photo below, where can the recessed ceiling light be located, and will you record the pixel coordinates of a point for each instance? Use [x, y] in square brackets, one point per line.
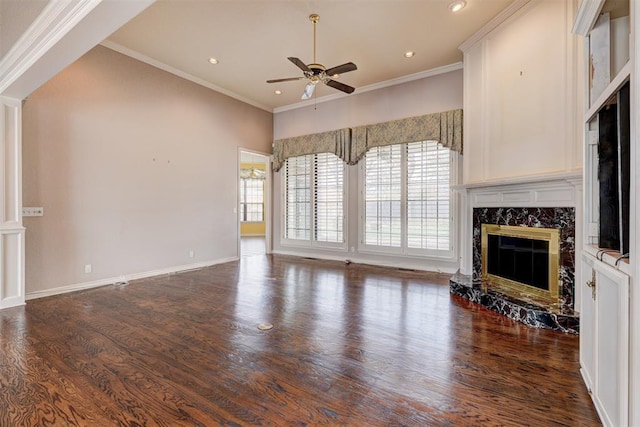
[457, 6]
[278, 92]
[213, 61]
[409, 54]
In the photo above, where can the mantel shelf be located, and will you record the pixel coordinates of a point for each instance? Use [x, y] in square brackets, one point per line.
[620, 79]
[560, 176]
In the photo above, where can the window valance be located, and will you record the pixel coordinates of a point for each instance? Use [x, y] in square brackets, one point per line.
[351, 144]
[336, 141]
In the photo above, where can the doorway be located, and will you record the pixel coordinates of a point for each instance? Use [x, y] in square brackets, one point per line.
[254, 190]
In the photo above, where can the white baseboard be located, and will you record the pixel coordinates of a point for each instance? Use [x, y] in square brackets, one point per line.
[126, 277]
[354, 258]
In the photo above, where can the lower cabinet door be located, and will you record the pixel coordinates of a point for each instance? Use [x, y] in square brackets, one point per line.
[587, 322]
[611, 339]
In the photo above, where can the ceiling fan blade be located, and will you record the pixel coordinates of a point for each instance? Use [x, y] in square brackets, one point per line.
[344, 68]
[308, 91]
[340, 86]
[300, 64]
[288, 79]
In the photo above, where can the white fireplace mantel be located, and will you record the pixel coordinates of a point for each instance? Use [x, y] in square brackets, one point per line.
[540, 191]
[550, 190]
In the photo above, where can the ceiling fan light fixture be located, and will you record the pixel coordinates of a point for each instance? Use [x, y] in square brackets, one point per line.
[213, 61]
[457, 6]
[409, 54]
[278, 92]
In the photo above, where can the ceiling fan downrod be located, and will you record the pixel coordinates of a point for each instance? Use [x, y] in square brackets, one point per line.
[314, 17]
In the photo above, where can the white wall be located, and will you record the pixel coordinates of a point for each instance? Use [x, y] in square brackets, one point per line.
[134, 168]
[522, 96]
[429, 95]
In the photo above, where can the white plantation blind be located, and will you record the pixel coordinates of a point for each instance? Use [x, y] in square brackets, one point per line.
[428, 193]
[383, 196]
[314, 194]
[297, 198]
[329, 198]
[406, 199]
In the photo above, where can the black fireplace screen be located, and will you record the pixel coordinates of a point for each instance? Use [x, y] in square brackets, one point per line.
[519, 259]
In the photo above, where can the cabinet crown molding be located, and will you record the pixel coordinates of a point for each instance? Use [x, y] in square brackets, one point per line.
[587, 16]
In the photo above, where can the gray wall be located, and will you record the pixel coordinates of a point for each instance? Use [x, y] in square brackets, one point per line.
[134, 167]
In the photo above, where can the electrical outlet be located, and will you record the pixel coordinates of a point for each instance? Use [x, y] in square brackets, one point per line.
[33, 211]
[87, 268]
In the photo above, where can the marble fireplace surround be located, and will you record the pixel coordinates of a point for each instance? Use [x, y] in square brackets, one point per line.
[550, 201]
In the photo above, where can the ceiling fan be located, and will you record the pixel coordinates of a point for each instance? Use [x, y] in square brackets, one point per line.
[316, 73]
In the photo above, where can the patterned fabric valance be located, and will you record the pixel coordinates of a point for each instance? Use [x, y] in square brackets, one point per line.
[446, 128]
[352, 144]
[335, 141]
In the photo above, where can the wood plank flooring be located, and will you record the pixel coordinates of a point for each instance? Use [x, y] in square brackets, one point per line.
[351, 345]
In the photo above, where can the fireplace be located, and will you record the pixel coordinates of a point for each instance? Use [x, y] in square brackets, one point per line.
[542, 298]
[521, 262]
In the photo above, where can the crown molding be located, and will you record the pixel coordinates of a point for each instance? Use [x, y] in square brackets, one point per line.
[56, 20]
[375, 86]
[507, 13]
[169, 69]
[587, 15]
[161, 65]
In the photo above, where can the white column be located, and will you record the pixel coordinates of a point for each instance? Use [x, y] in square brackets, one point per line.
[11, 229]
[466, 233]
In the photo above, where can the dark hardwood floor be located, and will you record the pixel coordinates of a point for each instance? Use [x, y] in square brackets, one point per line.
[351, 345]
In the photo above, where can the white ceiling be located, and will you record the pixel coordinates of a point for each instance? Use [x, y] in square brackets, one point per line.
[253, 38]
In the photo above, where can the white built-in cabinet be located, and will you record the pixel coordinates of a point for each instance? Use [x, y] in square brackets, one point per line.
[606, 273]
[604, 339]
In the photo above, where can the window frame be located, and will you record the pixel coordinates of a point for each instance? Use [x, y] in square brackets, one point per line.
[404, 249]
[244, 203]
[312, 242]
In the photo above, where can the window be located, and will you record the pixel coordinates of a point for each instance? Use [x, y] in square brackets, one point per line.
[383, 182]
[251, 200]
[406, 199]
[314, 199]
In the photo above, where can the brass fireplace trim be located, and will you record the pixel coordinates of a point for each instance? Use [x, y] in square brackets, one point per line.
[518, 289]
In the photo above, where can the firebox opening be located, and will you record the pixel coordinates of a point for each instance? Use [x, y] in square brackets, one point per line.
[521, 261]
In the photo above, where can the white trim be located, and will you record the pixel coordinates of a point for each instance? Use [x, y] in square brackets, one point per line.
[554, 176]
[169, 69]
[127, 277]
[268, 190]
[634, 304]
[618, 81]
[393, 82]
[587, 16]
[493, 24]
[56, 20]
[12, 253]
